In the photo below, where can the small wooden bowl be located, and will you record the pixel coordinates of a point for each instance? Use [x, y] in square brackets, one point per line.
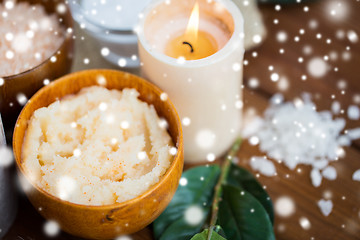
[30, 81]
[109, 221]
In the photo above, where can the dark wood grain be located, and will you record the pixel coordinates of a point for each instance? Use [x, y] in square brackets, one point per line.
[344, 221]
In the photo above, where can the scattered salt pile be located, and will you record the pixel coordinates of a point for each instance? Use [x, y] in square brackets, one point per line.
[6, 156]
[325, 206]
[295, 133]
[28, 36]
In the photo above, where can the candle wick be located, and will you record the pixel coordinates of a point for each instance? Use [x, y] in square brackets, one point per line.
[191, 47]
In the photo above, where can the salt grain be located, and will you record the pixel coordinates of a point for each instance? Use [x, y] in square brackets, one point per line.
[344, 140]
[329, 173]
[252, 127]
[325, 206]
[335, 107]
[277, 99]
[315, 177]
[353, 112]
[356, 175]
[263, 165]
[320, 164]
[354, 133]
[305, 223]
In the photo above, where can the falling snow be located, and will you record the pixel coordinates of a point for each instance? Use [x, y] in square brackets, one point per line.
[194, 215]
[105, 51]
[66, 186]
[205, 138]
[186, 121]
[21, 98]
[253, 83]
[183, 181]
[6, 156]
[317, 67]
[305, 223]
[51, 228]
[122, 62]
[173, 151]
[210, 157]
[284, 206]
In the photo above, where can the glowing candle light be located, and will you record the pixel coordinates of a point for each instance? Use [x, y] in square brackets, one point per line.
[193, 44]
[194, 52]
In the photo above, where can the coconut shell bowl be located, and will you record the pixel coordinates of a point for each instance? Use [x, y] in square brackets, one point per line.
[31, 80]
[108, 221]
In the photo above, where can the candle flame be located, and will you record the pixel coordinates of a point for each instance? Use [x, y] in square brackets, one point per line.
[193, 24]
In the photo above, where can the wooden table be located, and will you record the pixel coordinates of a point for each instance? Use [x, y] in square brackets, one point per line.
[344, 62]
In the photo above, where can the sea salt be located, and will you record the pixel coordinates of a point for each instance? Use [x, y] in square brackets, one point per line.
[253, 127]
[354, 133]
[356, 175]
[295, 133]
[329, 173]
[320, 164]
[325, 206]
[263, 165]
[353, 112]
[335, 107]
[315, 177]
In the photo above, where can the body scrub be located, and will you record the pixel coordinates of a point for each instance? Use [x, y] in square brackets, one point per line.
[28, 36]
[97, 147]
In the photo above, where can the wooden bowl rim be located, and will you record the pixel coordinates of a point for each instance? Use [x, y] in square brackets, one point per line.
[70, 25]
[177, 158]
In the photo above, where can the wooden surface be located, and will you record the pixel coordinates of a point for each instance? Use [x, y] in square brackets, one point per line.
[344, 221]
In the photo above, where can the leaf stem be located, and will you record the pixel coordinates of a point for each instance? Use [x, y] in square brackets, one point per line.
[222, 179]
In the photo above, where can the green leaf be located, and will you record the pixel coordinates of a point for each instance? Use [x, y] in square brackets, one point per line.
[243, 217]
[180, 230]
[198, 191]
[241, 178]
[204, 235]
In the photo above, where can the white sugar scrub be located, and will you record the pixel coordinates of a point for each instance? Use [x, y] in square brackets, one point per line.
[97, 147]
[28, 36]
[295, 133]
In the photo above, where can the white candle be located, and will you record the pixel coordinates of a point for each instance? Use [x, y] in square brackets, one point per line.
[206, 91]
